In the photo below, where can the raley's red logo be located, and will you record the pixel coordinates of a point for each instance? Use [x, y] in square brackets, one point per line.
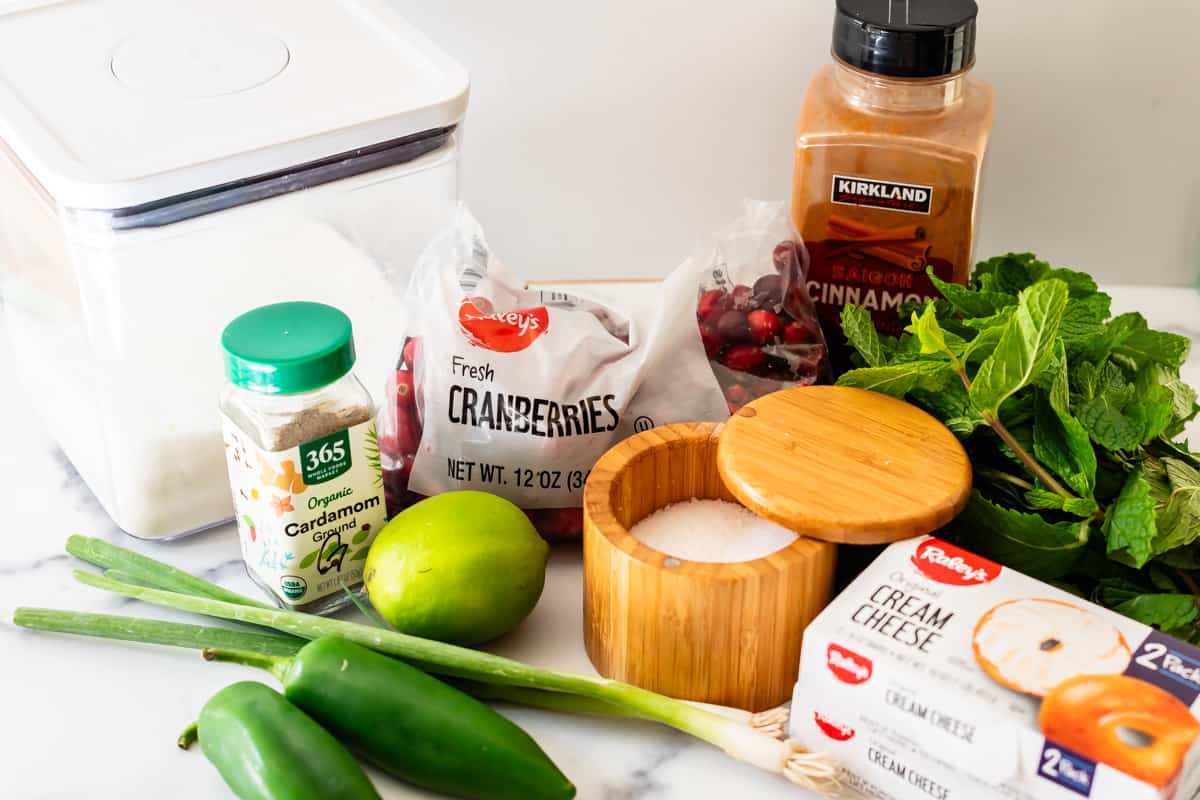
[505, 332]
[943, 562]
[834, 730]
[847, 666]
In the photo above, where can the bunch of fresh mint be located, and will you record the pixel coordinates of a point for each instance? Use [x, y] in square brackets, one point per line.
[1069, 418]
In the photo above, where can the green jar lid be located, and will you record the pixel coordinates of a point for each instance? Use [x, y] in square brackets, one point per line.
[288, 348]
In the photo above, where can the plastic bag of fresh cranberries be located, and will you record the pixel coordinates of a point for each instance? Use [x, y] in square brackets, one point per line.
[518, 392]
[757, 321]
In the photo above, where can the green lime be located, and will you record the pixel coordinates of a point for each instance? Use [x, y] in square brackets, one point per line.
[461, 567]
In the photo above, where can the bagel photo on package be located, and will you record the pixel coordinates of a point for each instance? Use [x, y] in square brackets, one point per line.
[940, 674]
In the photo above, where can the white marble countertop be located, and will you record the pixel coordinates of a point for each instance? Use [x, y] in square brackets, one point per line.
[92, 718]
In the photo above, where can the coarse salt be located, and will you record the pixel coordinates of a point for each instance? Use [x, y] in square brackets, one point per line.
[712, 531]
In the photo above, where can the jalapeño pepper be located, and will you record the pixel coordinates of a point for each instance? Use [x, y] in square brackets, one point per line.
[267, 749]
[410, 724]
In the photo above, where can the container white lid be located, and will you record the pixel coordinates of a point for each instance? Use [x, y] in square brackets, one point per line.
[116, 103]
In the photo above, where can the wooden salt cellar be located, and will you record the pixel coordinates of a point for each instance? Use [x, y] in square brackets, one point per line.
[832, 463]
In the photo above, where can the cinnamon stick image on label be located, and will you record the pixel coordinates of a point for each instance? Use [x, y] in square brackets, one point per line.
[902, 246]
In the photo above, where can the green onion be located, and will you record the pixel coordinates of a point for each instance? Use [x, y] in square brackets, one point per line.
[202, 637]
[771, 722]
[146, 571]
[152, 631]
[786, 758]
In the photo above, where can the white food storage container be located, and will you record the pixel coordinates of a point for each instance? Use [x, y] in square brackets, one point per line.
[165, 166]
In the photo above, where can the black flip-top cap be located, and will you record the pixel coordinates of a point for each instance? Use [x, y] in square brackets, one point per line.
[906, 38]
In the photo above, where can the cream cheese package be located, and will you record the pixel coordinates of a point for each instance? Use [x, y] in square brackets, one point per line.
[940, 674]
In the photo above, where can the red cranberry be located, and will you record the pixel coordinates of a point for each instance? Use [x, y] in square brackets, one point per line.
[713, 303]
[404, 388]
[768, 290]
[408, 431]
[787, 258]
[389, 446]
[742, 296]
[807, 365]
[764, 326]
[711, 339]
[737, 394]
[557, 523]
[806, 372]
[409, 354]
[800, 332]
[745, 358]
[733, 327]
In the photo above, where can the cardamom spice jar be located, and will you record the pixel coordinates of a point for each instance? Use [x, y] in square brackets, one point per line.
[302, 452]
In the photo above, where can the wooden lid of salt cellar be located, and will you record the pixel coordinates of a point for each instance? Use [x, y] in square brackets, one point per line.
[844, 465]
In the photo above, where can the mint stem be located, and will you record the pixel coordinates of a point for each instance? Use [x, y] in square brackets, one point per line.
[1039, 472]
[1007, 477]
[1033, 466]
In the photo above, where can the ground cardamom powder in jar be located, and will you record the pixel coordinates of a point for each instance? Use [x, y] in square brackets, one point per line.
[302, 452]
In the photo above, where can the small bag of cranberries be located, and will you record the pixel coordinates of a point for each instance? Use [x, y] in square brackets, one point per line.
[518, 392]
[757, 320]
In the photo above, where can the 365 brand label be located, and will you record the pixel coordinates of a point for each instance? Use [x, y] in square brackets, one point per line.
[307, 515]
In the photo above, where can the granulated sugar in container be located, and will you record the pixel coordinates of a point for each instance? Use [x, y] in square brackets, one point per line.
[167, 166]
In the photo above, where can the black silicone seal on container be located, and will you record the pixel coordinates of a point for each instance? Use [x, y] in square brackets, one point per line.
[906, 38]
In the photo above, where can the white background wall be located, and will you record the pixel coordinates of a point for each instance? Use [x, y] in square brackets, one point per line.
[605, 137]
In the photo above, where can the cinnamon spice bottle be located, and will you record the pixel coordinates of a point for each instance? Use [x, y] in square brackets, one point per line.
[888, 154]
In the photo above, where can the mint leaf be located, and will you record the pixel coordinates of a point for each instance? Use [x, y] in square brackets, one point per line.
[1182, 398]
[1176, 490]
[1009, 273]
[972, 303]
[951, 406]
[1179, 450]
[1080, 284]
[1025, 542]
[1083, 323]
[1181, 558]
[983, 345]
[1160, 579]
[1183, 407]
[1096, 306]
[1153, 404]
[899, 379]
[1147, 346]
[1162, 611]
[1129, 524]
[932, 338]
[1098, 348]
[1025, 348]
[1129, 336]
[1079, 506]
[1105, 420]
[1085, 379]
[1121, 415]
[1060, 441]
[1000, 318]
[1112, 591]
[860, 332]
